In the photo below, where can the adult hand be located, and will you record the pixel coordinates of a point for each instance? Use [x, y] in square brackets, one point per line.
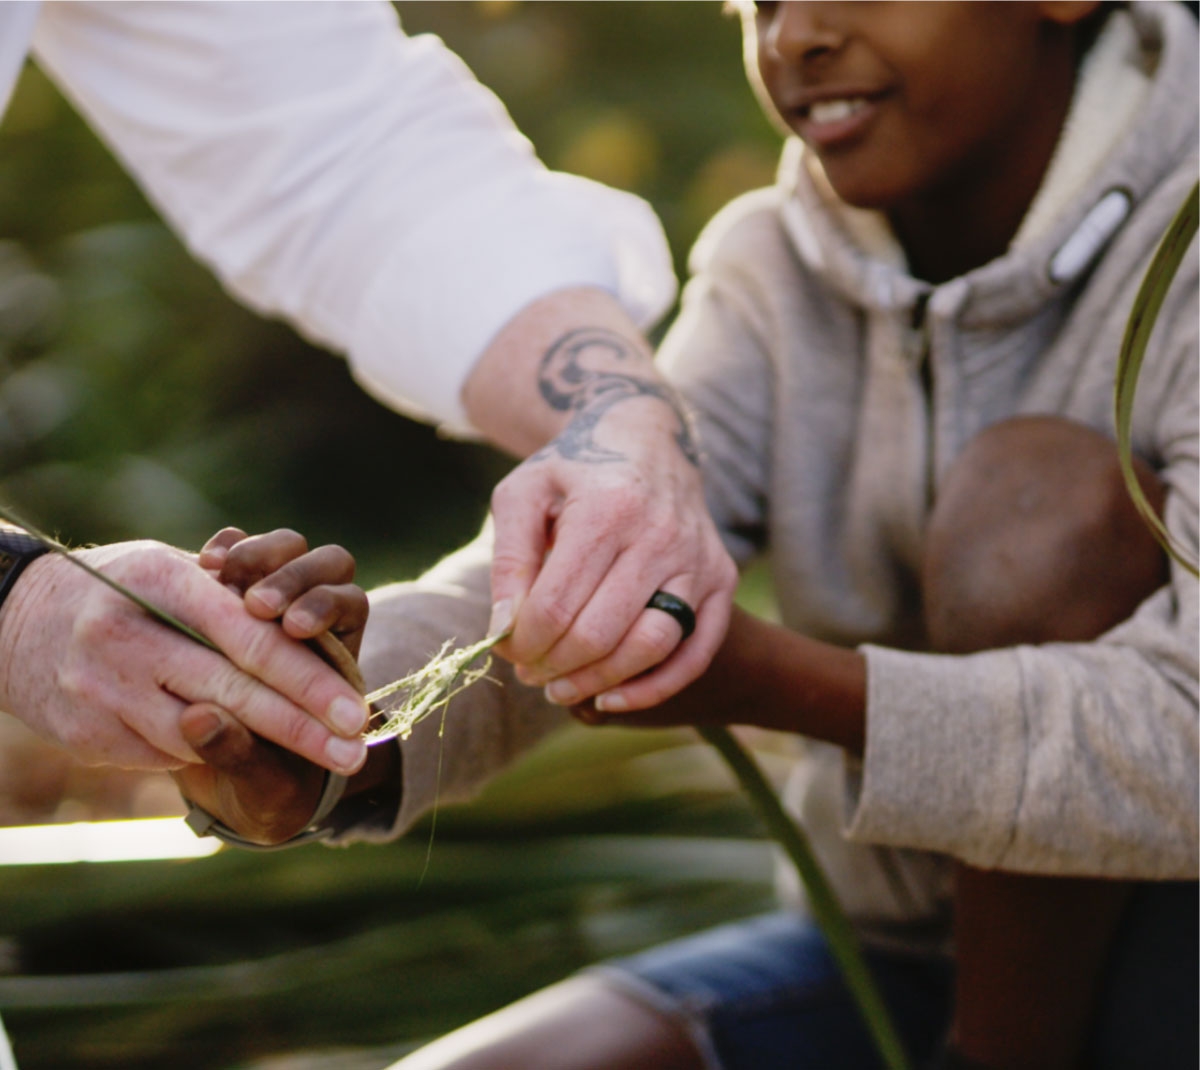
[767, 676]
[587, 530]
[87, 669]
[609, 509]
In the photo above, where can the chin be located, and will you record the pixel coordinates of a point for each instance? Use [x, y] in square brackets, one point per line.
[861, 190]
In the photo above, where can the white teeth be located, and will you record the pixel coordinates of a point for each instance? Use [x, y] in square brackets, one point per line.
[834, 111]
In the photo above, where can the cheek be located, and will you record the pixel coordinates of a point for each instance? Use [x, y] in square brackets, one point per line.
[764, 81]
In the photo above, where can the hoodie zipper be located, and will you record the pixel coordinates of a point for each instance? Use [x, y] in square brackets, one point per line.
[918, 353]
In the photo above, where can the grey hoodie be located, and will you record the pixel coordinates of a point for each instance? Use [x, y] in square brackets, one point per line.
[795, 348]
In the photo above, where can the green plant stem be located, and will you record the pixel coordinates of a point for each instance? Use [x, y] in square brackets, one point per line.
[63, 551]
[825, 907]
[1146, 307]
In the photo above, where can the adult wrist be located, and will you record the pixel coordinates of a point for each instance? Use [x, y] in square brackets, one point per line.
[18, 549]
[13, 610]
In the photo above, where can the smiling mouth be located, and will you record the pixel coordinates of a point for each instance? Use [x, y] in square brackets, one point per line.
[834, 111]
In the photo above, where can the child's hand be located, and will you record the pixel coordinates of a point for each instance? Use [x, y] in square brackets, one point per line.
[260, 790]
[308, 591]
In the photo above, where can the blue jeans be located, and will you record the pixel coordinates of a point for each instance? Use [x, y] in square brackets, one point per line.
[765, 994]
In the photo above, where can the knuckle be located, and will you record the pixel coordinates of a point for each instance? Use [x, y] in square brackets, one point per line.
[227, 537]
[657, 636]
[352, 606]
[233, 690]
[77, 736]
[337, 563]
[552, 616]
[725, 573]
[105, 620]
[257, 647]
[589, 643]
[510, 492]
[288, 539]
[624, 511]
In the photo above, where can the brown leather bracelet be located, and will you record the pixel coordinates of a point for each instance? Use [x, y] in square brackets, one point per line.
[202, 823]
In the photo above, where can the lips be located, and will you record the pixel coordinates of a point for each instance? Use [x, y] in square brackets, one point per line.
[834, 120]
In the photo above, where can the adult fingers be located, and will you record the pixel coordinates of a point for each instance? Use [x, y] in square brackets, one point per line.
[334, 741]
[524, 507]
[652, 663]
[685, 665]
[613, 637]
[572, 570]
[273, 684]
[610, 632]
[653, 637]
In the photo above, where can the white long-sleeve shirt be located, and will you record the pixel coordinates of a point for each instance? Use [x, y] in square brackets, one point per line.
[333, 171]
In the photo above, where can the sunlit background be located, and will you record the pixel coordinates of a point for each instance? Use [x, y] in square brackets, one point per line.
[136, 400]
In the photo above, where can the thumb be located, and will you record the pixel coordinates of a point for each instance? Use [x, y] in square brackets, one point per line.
[258, 789]
[219, 740]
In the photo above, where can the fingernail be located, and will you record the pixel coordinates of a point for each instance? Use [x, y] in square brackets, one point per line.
[589, 715]
[346, 754]
[612, 702]
[302, 620]
[212, 725]
[561, 693]
[347, 716]
[502, 618]
[267, 598]
[213, 557]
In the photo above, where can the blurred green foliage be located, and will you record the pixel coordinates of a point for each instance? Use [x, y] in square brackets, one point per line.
[137, 399]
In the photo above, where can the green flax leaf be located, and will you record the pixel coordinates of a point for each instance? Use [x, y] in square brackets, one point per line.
[826, 909]
[64, 551]
[1146, 307]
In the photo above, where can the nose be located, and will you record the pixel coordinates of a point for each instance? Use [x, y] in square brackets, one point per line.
[802, 30]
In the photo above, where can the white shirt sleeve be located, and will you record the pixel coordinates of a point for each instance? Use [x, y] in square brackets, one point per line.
[358, 182]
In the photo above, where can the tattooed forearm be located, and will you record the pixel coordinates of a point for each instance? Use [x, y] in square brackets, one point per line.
[569, 385]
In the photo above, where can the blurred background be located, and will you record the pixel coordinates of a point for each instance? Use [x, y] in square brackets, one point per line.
[137, 400]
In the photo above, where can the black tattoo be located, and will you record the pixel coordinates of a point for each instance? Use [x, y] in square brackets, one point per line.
[568, 385]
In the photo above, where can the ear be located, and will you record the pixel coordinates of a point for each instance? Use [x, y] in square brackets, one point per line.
[1067, 12]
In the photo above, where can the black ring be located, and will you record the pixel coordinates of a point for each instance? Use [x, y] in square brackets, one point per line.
[684, 615]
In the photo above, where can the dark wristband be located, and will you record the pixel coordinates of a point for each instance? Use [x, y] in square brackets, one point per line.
[17, 549]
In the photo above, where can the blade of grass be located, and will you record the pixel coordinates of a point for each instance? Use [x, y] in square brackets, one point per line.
[825, 907]
[65, 551]
[1146, 307]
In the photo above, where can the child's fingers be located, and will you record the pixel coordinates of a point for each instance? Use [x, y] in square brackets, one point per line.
[341, 609]
[213, 553]
[326, 566]
[258, 556]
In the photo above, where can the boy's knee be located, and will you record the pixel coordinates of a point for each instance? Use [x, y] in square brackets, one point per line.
[1033, 538]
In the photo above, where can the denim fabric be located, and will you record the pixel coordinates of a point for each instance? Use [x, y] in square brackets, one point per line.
[765, 993]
